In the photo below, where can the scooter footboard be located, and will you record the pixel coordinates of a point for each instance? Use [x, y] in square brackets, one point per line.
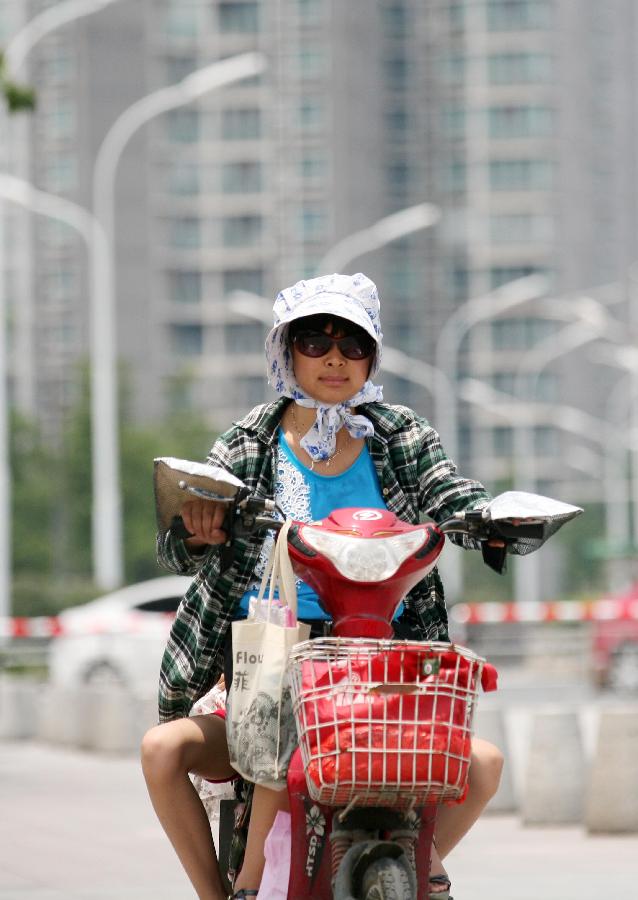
[320, 840]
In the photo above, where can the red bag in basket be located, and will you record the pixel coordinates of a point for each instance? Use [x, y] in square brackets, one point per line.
[403, 738]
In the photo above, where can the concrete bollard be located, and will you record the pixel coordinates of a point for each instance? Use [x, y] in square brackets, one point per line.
[107, 725]
[60, 715]
[555, 776]
[19, 705]
[612, 796]
[490, 726]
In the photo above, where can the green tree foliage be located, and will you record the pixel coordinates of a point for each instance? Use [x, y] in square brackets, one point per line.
[52, 547]
[18, 97]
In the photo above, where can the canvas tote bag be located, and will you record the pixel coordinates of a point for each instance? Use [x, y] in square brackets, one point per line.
[260, 725]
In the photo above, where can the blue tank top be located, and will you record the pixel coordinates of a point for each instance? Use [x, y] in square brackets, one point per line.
[307, 496]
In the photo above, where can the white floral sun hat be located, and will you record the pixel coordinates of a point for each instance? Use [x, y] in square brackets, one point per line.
[351, 297]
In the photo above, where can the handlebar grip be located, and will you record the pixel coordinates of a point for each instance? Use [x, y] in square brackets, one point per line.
[533, 530]
[179, 529]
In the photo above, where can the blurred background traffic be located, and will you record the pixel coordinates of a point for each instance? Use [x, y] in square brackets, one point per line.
[167, 165]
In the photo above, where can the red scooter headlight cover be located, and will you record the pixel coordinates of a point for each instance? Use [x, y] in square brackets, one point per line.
[362, 563]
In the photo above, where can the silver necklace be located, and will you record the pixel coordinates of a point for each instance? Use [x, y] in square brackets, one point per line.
[327, 461]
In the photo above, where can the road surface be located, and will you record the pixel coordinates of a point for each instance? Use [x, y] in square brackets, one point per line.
[79, 826]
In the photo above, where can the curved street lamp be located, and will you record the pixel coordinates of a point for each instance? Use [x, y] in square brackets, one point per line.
[384, 231]
[15, 54]
[107, 511]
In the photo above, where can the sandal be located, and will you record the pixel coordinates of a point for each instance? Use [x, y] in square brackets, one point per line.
[242, 893]
[441, 895]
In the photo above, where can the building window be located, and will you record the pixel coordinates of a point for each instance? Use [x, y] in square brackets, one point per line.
[241, 124]
[238, 17]
[542, 388]
[396, 72]
[183, 179]
[311, 113]
[178, 67]
[186, 340]
[500, 275]
[520, 68]
[185, 287]
[182, 19]
[250, 391]
[454, 121]
[520, 121]
[311, 11]
[60, 284]
[502, 441]
[241, 177]
[185, 233]
[313, 223]
[452, 68]
[455, 176]
[313, 167]
[241, 231]
[394, 17]
[521, 174]
[520, 334]
[519, 15]
[546, 442]
[312, 63]
[58, 69]
[183, 125]
[458, 277]
[60, 175]
[61, 120]
[520, 227]
[398, 175]
[244, 337]
[456, 15]
[251, 280]
[397, 121]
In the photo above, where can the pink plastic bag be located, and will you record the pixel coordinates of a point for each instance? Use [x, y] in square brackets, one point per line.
[274, 881]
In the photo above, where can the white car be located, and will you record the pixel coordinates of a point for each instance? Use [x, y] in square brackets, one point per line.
[117, 639]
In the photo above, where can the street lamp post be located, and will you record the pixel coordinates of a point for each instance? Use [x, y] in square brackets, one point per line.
[15, 54]
[593, 323]
[15, 158]
[573, 421]
[107, 516]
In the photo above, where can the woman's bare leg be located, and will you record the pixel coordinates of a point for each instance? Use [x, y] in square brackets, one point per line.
[169, 753]
[453, 822]
[266, 804]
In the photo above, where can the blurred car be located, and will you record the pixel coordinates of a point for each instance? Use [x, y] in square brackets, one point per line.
[615, 642]
[119, 638]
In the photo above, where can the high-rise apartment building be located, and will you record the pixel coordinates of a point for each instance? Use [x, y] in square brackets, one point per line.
[532, 132]
[516, 117]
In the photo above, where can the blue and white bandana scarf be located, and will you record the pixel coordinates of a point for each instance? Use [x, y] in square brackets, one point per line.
[351, 297]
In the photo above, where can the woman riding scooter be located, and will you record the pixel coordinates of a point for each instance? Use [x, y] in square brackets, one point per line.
[329, 442]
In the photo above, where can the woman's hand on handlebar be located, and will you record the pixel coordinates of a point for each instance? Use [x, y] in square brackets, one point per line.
[204, 520]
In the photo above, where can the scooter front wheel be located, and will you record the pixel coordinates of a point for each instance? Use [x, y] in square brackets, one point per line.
[386, 879]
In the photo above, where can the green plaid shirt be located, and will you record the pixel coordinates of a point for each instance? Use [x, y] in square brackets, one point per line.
[417, 480]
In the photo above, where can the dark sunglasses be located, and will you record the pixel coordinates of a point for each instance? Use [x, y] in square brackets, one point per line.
[318, 343]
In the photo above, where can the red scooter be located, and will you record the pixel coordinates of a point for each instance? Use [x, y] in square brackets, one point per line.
[384, 725]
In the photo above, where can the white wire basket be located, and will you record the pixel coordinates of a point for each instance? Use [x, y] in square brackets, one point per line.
[384, 723]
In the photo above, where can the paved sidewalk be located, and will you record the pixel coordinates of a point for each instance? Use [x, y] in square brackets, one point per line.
[76, 826]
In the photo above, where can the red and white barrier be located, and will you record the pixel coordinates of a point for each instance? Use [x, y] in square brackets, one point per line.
[58, 626]
[550, 611]
[461, 613]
